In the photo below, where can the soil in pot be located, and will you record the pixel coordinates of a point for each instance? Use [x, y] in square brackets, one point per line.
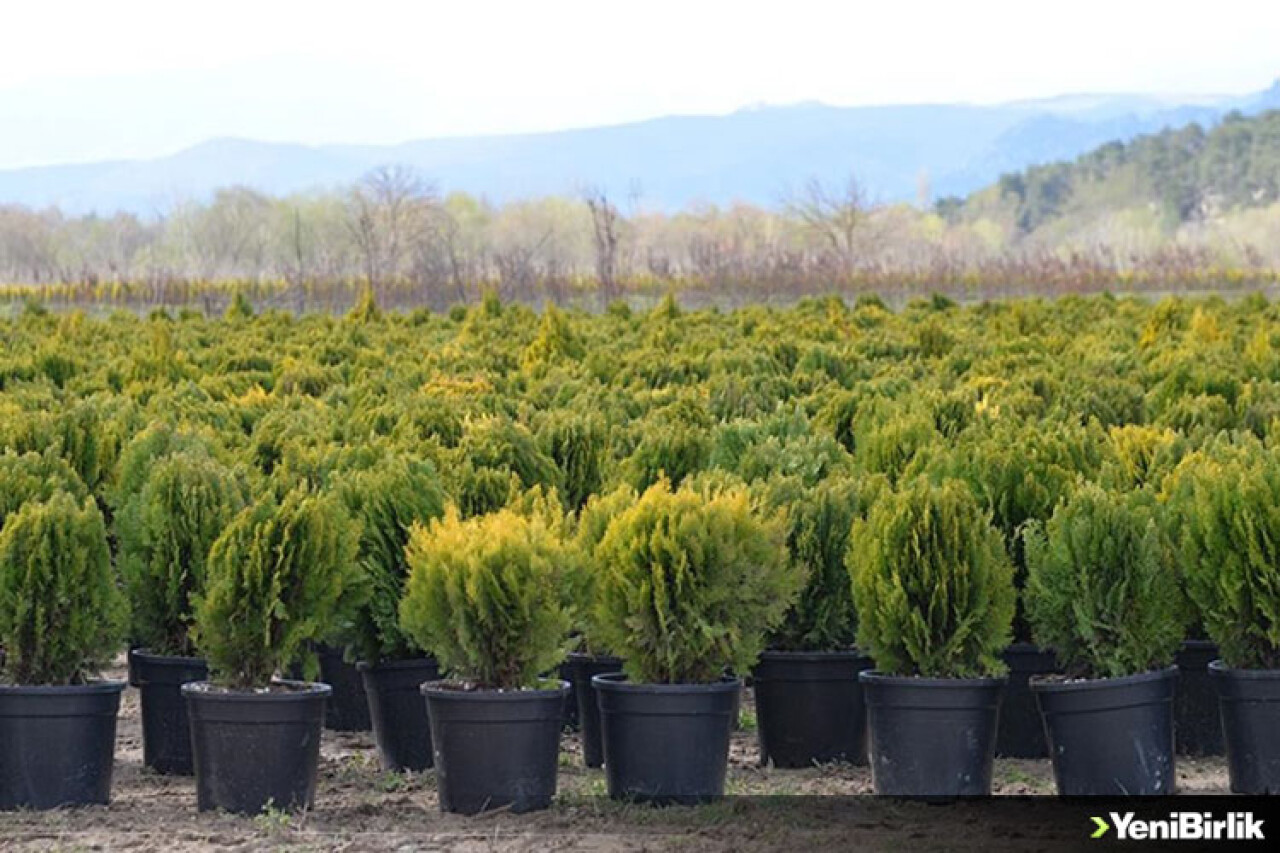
[166, 731]
[348, 709]
[399, 715]
[1110, 736]
[666, 743]
[932, 738]
[1197, 723]
[1021, 730]
[1250, 701]
[57, 744]
[493, 748]
[809, 708]
[585, 668]
[255, 749]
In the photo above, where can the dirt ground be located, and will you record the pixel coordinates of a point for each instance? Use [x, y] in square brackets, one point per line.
[359, 807]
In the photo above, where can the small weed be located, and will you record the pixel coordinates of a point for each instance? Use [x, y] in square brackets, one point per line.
[273, 822]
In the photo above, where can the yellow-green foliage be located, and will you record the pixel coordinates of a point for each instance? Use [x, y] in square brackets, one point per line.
[165, 533]
[818, 524]
[1100, 591]
[1227, 504]
[61, 614]
[690, 585]
[34, 477]
[1020, 399]
[489, 597]
[387, 500]
[932, 583]
[275, 580]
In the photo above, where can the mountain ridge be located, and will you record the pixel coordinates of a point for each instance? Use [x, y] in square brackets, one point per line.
[753, 154]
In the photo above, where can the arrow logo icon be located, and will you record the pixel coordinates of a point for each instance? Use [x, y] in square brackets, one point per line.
[1102, 825]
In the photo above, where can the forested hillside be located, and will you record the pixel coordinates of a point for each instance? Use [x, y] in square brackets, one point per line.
[1180, 175]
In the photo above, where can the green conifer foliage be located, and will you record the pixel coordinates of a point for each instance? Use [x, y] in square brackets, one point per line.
[932, 583]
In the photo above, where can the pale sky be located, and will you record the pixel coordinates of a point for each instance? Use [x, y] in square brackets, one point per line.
[138, 78]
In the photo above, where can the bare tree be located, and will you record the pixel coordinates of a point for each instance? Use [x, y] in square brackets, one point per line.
[835, 214]
[605, 236]
[388, 212]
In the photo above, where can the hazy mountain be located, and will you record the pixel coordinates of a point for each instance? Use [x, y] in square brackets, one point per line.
[754, 154]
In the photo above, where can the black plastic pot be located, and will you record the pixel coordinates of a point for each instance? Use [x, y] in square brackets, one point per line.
[1250, 700]
[932, 738]
[809, 708]
[1021, 731]
[256, 749]
[57, 744]
[1197, 723]
[348, 709]
[568, 673]
[400, 724]
[1111, 736]
[495, 749]
[666, 743]
[584, 668]
[166, 732]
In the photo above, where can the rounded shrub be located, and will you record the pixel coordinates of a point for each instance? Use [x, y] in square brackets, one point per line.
[691, 584]
[33, 477]
[61, 614]
[591, 525]
[165, 533]
[1228, 511]
[818, 524]
[488, 597]
[276, 580]
[1100, 590]
[932, 583]
[388, 500]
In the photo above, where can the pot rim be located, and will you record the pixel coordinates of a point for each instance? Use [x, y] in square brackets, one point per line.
[1197, 645]
[815, 656]
[1219, 667]
[617, 681]
[583, 657]
[437, 693]
[398, 663]
[306, 691]
[875, 676]
[98, 686]
[1040, 685]
[147, 656]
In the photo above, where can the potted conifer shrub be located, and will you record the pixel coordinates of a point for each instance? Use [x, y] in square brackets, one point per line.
[1101, 594]
[1019, 474]
[275, 581]
[809, 706]
[1230, 537]
[389, 499]
[61, 616]
[691, 584]
[590, 657]
[165, 532]
[933, 588]
[489, 595]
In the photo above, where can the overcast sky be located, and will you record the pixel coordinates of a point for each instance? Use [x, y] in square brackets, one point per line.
[136, 78]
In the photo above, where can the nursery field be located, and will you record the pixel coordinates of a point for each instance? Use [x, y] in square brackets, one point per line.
[1024, 505]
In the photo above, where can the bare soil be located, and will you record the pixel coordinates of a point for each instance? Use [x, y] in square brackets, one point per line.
[359, 807]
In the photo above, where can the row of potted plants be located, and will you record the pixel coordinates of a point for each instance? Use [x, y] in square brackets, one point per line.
[664, 593]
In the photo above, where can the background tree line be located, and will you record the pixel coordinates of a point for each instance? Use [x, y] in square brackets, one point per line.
[1184, 209]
